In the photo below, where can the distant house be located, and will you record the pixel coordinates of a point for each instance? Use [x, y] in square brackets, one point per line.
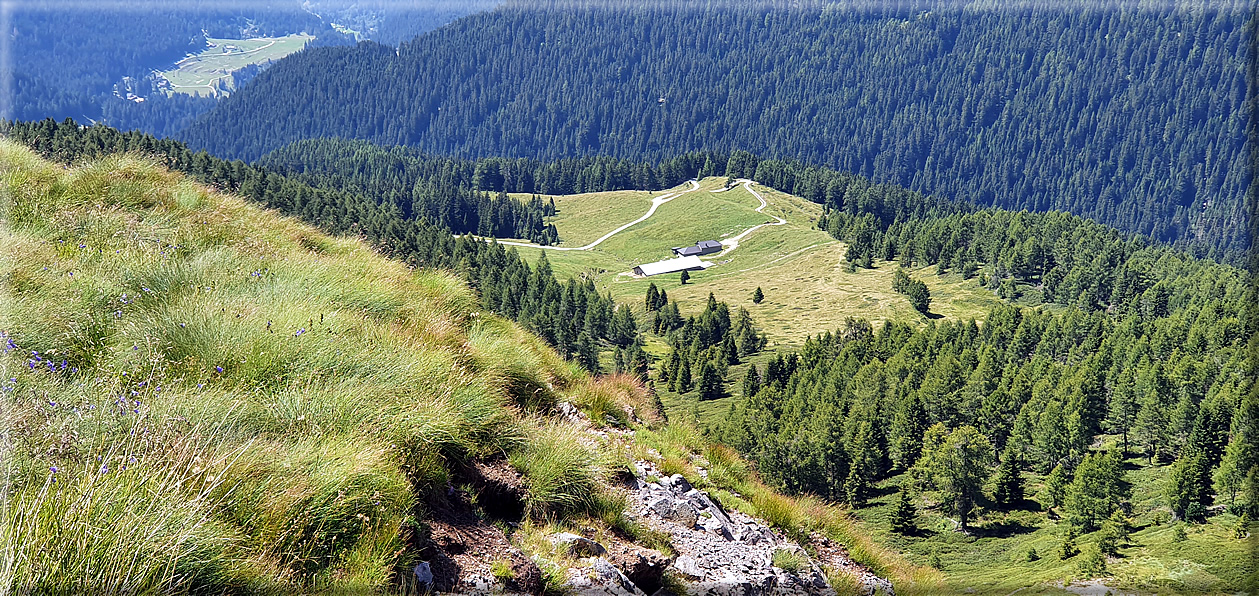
[688, 263]
[703, 247]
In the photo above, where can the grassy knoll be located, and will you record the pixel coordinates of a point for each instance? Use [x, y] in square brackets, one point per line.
[799, 267]
[588, 216]
[993, 558]
[203, 73]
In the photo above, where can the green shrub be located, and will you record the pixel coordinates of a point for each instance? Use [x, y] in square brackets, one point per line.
[1092, 562]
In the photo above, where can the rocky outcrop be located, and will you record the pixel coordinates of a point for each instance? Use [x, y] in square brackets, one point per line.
[719, 552]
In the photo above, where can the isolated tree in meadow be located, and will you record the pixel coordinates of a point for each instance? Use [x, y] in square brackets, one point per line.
[686, 275]
[916, 291]
[757, 295]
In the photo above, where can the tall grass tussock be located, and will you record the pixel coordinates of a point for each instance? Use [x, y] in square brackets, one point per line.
[199, 395]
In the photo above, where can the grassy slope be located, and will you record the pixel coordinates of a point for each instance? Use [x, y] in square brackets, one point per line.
[799, 267]
[194, 75]
[248, 404]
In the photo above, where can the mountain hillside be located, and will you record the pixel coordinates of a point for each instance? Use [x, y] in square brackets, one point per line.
[202, 396]
[1131, 117]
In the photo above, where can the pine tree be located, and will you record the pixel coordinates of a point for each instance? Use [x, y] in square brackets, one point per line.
[1008, 490]
[1067, 548]
[758, 296]
[751, 381]
[653, 297]
[904, 514]
[709, 382]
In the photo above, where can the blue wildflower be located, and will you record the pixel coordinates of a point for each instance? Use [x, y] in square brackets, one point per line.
[218, 369]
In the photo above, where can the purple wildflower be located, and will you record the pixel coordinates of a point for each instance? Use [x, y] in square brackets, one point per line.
[218, 369]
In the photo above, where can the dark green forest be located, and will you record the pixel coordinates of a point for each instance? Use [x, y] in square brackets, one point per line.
[70, 61]
[1134, 118]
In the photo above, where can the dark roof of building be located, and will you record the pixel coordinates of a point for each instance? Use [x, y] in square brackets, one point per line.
[702, 247]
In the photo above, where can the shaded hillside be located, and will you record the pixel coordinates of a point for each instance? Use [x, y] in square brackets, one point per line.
[1133, 118]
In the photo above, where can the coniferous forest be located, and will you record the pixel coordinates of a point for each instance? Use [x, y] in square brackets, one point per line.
[1128, 116]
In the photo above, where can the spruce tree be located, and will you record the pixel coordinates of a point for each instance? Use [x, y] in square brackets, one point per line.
[653, 297]
[684, 377]
[1008, 490]
[751, 381]
[758, 296]
[686, 275]
[903, 513]
[709, 381]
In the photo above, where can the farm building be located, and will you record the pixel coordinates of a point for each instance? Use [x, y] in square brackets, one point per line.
[689, 263]
[703, 247]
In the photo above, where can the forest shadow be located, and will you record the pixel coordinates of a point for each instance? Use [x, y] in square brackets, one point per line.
[1003, 529]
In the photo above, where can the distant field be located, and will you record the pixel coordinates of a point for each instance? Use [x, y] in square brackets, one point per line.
[198, 75]
[797, 266]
